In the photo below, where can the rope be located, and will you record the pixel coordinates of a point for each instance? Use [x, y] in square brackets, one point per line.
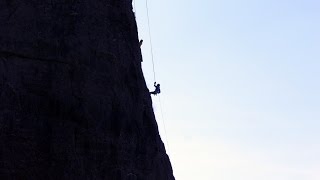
[164, 125]
[154, 76]
[154, 73]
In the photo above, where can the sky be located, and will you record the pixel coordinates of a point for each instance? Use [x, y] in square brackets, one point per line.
[240, 91]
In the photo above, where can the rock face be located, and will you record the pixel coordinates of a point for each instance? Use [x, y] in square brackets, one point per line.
[73, 100]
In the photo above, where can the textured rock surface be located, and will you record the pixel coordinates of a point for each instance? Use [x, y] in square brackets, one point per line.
[73, 99]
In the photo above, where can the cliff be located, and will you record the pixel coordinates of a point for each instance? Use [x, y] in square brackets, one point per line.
[73, 100]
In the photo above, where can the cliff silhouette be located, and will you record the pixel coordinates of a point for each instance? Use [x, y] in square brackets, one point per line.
[73, 100]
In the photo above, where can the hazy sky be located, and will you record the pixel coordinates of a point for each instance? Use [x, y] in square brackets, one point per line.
[240, 86]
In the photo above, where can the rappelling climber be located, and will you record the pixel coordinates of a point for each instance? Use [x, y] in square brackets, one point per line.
[157, 90]
[140, 42]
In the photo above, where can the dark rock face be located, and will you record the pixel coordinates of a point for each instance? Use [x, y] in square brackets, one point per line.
[73, 99]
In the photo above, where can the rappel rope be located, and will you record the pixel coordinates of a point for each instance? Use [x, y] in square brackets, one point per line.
[151, 47]
[164, 126]
[154, 77]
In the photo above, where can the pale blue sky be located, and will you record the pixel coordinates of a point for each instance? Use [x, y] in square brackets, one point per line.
[240, 86]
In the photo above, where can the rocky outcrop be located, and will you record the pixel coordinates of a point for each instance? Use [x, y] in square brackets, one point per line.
[73, 99]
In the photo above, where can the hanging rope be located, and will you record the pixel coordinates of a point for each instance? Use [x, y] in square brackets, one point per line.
[154, 73]
[154, 76]
[164, 125]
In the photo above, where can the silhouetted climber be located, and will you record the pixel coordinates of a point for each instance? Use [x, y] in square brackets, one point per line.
[140, 42]
[157, 90]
